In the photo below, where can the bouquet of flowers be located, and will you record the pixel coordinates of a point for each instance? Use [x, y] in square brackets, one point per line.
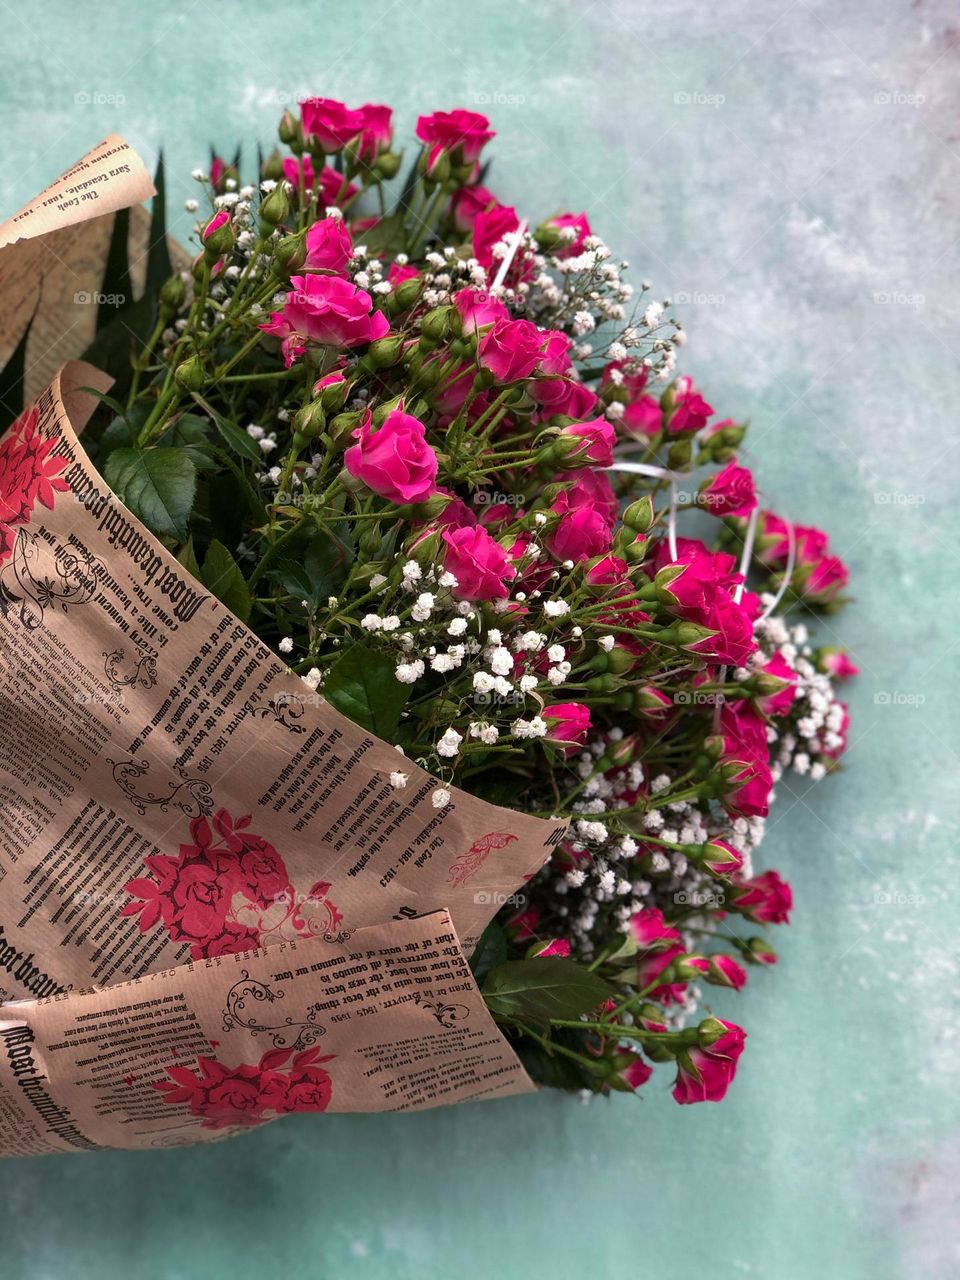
[441, 461]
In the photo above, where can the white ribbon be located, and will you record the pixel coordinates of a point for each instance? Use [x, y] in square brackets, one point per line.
[511, 253]
[657, 473]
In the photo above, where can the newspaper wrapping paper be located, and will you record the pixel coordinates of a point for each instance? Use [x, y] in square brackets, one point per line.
[391, 1021]
[169, 792]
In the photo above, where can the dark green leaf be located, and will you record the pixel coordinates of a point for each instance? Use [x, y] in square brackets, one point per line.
[315, 564]
[116, 290]
[490, 951]
[554, 1070]
[157, 485]
[235, 438]
[188, 558]
[387, 237]
[11, 382]
[543, 988]
[222, 575]
[159, 266]
[363, 685]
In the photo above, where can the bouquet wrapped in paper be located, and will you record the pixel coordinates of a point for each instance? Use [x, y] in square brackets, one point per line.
[370, 736]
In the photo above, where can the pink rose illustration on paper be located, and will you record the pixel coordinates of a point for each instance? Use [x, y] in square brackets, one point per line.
[228, 890]
[227, 1097]
[29, 473]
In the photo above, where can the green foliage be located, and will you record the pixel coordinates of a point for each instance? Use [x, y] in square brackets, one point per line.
[157, 485]
[362, 685]
[543, 988]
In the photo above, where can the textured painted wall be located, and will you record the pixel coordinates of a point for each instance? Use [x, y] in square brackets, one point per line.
[790, 169]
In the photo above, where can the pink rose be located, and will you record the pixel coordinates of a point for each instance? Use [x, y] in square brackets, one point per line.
[511, 349]
[824, 579]
[563, 397]
[376, 131]
[836, 663]
[220, 219]
[574, 229]
[722, 858]
[705, 1074]
[749, 794]
[779, 704]
[690, 411]
[478, 309]
[651, 931]
[652, 703]
[479, 563]
[643, 416]
[724, 971]
[607, 572]
[329, 246]
[569, 723]
[467, 202]
[766, 899]
[329, 124]
[631, 1071]
[489, 228]
[394, 459]
[654, 965]
[588, 488]
[730, 492]
[553, 947]
[595, 441]
[580, 534]
[628, 374]
[461, 134]
[327, 310]
[333, 188]
[397, 273]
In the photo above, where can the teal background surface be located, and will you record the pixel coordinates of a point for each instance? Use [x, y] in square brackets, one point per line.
[789, 171]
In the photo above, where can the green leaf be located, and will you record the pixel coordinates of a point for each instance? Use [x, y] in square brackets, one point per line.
[554, 1070]
[157, 485]
[363, 685]
[543, 988]
[11, 382]
[387, 237]
[116, 282]
[222, 575]
[491, 950]
[315, 565]
[234, 437]
[188, 558]
[159, 266]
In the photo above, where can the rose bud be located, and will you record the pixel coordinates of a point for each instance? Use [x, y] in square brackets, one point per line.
[759, 951]
[274, 208]
[189, 374]
[630, 1071]
[725, 972]
[553, 947]
[217, 235]
[290, 253]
